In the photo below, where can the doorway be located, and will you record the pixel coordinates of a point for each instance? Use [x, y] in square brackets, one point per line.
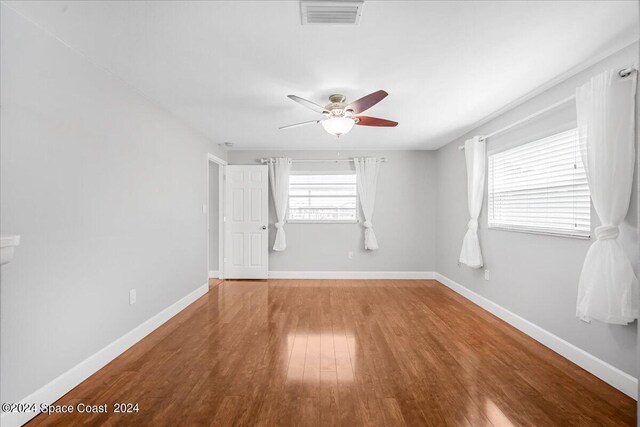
[215, 216]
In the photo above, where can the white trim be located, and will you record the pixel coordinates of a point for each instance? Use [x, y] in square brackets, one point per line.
[418, 275]
[216, 159]
[214, 274]
[51, 392]
[610, 374]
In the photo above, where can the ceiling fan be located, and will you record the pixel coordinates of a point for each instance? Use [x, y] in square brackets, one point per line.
[340, 116]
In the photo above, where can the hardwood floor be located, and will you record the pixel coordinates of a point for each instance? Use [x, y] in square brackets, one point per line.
[343, 352]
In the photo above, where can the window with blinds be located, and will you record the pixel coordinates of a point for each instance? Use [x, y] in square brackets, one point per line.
[323, 197]
[541, 187]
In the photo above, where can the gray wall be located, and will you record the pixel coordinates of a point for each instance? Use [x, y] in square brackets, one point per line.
[638, 207]
[214, 215]
[532, 275]
[106, 190]
[403, 220]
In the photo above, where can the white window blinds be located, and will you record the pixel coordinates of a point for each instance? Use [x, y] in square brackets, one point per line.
[322, 197]
[541, 187]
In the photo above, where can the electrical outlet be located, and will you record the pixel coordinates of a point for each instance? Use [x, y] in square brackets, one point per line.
[487, 274]
[132, 296]
[350, 255]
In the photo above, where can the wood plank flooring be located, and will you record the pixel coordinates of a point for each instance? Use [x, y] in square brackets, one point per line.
[343, 352]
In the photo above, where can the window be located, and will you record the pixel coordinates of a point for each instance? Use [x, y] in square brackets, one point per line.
[541, 187]
[323, 197]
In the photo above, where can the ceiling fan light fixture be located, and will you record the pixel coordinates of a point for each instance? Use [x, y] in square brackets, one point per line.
[338, 125]
[340, 117]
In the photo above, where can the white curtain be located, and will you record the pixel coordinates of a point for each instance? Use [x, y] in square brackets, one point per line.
[279, 176]
[367, 178]
[475, 154]
[608, 288]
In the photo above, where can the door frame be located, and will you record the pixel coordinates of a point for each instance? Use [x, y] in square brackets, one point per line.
[221, 164]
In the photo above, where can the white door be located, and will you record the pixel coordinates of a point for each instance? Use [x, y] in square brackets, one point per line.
[246, 219]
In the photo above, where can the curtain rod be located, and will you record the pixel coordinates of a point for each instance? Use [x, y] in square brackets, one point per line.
[270, 160]
[622, 74]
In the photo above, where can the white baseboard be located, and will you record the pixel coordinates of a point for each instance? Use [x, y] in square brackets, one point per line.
[57, 388]
[214, 274]
[424, 275]
[601, 369]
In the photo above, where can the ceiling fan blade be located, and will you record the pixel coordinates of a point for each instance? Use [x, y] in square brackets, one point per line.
[310, 122]
[312, 105]
[366, 102]
[374, 121]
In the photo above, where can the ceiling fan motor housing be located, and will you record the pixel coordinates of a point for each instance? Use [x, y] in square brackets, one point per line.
[336, 107]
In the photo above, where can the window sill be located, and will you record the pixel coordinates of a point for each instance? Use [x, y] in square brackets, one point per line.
[540, 232]
[310, 221]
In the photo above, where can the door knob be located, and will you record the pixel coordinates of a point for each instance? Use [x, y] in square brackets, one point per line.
[264, 227]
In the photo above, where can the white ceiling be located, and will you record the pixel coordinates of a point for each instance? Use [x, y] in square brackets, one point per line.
[226, 67]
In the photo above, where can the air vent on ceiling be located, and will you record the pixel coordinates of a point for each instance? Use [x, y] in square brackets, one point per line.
[316, 12]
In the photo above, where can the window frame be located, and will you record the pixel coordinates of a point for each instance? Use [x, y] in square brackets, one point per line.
[325, 221]
[531, 229]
